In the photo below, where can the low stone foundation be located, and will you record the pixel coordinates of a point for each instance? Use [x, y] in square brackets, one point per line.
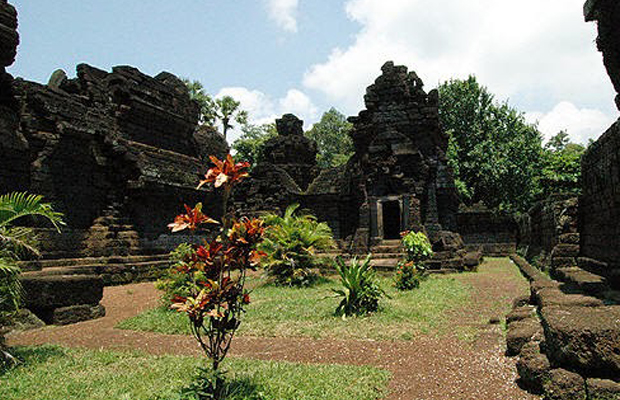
[566, 336]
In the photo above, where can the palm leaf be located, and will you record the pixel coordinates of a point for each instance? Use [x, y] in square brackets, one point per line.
[14, 206]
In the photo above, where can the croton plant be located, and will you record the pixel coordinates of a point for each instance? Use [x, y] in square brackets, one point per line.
[215, 272]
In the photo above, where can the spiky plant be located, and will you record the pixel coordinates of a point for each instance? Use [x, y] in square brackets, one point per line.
[291, 243]
[360, 292]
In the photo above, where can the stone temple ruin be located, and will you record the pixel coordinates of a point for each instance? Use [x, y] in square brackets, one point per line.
[398, 178]
[119, 152]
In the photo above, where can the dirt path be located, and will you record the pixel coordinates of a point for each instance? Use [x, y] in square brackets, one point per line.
[425, 368]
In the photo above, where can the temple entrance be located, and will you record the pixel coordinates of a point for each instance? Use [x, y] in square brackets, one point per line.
[391, 219]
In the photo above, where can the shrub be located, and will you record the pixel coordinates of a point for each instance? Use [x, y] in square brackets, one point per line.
[361, 292]
[210, 288]
[410, 271]
[408, 276]
[290, 245]
[174, 282]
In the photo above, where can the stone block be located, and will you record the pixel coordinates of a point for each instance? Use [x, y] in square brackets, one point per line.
[555, 297]
[520, 313]
[603, 389]
[585, 339]
[533, 367]
[560, 384]
[54, 291]
[78, 313]
[565, 250]
[521, 332]
[521, 301]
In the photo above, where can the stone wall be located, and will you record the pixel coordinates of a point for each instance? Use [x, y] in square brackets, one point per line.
[548, 233]
[117, 152]
[599, 213]
[566, 336]
[495, 234]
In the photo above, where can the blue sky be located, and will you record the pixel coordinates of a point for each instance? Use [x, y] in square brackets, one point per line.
[305, 56]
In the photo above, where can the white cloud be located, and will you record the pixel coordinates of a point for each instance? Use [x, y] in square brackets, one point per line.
[535, 53]
[580, 124]
[296, 102]
[263, 109]
[284, 13]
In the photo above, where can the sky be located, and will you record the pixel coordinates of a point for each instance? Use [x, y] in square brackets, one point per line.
[306, 56]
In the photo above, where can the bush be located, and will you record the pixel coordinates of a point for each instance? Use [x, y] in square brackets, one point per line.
[411, 271]
[408, 276]
[361, 292]
[290, 245]
[174, 282]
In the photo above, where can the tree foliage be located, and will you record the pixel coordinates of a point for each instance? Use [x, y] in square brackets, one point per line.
[495, 153]
[224, 110]
[561, 166]
[331, 135]
[249, 147]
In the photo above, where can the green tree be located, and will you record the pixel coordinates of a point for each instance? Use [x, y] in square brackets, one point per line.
[15, 243]
[227, 110]
[561, 166]
[249, 147]
[331, 134]
[208, 106]
[494, 152]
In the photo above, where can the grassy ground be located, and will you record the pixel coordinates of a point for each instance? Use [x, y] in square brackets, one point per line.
[290, 312]
[52, 372]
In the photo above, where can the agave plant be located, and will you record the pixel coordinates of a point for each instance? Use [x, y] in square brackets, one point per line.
[361, 292]
[16, 242]
[291, 243]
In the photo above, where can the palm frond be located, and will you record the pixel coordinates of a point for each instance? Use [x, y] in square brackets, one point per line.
[21, 204]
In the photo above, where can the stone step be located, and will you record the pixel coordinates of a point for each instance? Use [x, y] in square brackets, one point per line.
[582, 280]
[69, 262]
[386, 249]
[98, 269]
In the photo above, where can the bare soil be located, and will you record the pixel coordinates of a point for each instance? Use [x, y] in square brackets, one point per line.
[427, 367]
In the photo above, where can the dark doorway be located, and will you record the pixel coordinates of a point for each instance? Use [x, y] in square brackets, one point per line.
[391, 220]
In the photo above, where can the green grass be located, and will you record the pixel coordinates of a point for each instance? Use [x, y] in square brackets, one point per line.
[292, 312]
[52, 372]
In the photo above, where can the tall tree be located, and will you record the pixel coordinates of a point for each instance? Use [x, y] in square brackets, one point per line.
[494, 152]
[227, 110]
[331, 134]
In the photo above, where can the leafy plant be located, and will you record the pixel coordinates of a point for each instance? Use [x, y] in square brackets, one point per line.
[290, 245]
[410, 271]
[361, 292]
[15, 243]
[417, 246]
[408, 276]
[210, 288]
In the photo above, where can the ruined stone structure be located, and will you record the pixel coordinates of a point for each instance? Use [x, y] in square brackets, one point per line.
[549, 234]
[397, 179]
[493, 232]
[599, 205]
[118, 153]
[570, 347]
